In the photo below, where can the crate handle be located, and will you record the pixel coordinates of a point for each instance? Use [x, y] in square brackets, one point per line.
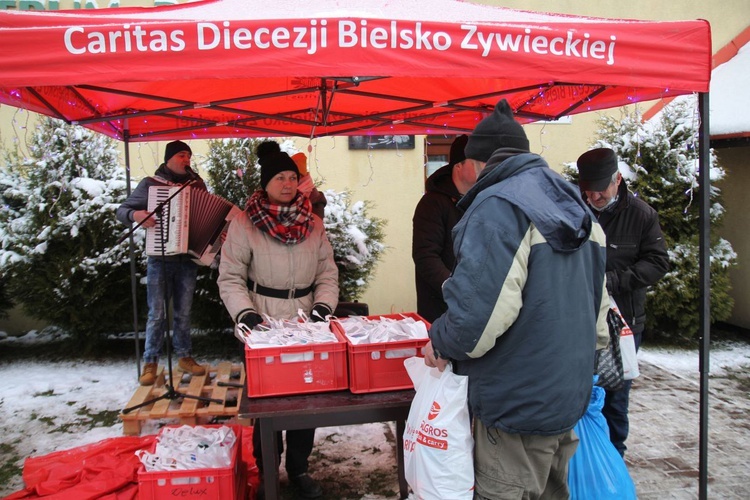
[181, 481]
[297, 357]
[400, 353]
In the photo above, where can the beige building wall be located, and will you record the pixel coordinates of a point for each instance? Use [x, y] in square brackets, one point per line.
[393, 179]
[736, 161]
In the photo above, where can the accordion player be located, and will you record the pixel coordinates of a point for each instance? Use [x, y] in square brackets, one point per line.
[190, 223]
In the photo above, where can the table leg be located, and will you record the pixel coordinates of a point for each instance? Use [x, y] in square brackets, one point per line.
[403, 486]
[268, 446]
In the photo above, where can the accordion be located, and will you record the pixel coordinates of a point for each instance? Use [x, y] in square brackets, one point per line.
[190, 223]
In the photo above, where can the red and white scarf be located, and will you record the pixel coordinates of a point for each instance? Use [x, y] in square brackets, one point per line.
[288, 224]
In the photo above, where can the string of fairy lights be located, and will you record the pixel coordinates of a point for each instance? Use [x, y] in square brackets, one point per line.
[146, 155]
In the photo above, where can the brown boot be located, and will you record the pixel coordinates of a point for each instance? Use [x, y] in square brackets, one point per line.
[189, 365]
[148, 377]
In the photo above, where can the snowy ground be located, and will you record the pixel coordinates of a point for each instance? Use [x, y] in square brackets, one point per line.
[48, 406]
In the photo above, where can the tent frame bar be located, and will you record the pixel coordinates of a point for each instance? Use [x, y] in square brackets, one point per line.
[325, 122]
[704, 312]
[131, 252]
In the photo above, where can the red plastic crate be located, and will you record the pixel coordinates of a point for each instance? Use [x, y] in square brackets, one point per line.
[296, 369]
[223, 483]
[379, 367]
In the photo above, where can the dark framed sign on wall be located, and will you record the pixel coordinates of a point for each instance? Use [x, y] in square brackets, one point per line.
[381, 142]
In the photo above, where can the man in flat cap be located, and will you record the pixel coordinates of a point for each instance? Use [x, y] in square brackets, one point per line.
[171, 277]
[526, 312]
[636, 259]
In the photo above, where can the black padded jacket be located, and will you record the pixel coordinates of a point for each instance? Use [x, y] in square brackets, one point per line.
[636, 254]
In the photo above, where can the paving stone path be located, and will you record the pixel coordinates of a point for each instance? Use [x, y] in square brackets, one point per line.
[663, 447]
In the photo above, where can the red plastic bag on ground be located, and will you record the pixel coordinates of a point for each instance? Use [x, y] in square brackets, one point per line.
[107, 469]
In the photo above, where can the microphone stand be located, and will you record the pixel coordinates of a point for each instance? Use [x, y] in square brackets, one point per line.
[170, 393]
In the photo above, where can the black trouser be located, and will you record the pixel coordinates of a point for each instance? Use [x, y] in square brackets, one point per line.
[299, 445]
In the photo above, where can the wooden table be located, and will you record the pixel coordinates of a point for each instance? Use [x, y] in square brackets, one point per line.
[324, 410]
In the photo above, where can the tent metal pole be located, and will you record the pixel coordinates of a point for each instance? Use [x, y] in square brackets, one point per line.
[704, 314]
[131, 246]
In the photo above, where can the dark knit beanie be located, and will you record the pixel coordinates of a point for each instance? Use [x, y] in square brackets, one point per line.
[499, 130]
[457, 150]
[596, 168]
[273, 163]
[267, 147]
[175, 147]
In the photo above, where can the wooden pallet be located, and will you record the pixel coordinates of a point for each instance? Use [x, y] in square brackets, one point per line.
[189, 411]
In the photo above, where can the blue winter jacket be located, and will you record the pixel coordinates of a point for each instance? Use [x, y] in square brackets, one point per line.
[526, 306]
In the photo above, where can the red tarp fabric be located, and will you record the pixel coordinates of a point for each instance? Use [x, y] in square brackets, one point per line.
[105, 470]
[253, 39]
[250, 68]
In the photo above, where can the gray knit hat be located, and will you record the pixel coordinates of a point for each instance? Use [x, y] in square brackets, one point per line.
[499, 130]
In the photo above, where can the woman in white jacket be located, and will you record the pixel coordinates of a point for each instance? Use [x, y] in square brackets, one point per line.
[276, 259]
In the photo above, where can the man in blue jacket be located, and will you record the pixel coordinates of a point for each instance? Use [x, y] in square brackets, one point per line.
[526, 311]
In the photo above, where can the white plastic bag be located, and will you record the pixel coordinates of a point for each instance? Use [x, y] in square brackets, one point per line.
[627, 348]
[629, 356]
[190, 447]
[438, 446]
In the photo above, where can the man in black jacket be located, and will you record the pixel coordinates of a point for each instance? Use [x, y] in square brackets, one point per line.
[434, 218]
[636, 258]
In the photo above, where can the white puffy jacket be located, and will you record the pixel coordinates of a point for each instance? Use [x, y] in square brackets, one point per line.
[249, 253]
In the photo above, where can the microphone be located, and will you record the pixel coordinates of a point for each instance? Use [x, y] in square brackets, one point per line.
[192, 173]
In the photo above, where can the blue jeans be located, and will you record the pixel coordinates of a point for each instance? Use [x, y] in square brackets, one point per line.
[167, 280]
[615, 409]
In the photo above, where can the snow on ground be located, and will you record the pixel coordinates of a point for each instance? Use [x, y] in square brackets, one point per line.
[723, 356]
[46, 406]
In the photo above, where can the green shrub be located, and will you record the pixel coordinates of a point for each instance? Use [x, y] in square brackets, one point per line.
[356, 240]
[59, 256]
[6, 304]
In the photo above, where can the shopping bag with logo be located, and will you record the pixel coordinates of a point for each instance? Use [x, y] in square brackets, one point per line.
[438, 445]
[597, 471]
[609, 360]
[627, 348]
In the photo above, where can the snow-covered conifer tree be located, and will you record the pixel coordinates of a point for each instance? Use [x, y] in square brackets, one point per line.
[58, 232]
[661, 160]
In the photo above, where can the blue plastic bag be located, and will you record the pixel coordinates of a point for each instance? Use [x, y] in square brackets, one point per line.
[597, 471]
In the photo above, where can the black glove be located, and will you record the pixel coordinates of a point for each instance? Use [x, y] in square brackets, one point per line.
[251, 320]
[613, 282]
[319, 312]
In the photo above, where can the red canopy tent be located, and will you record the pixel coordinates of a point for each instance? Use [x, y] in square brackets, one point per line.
[250, 68]
[244, 68]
